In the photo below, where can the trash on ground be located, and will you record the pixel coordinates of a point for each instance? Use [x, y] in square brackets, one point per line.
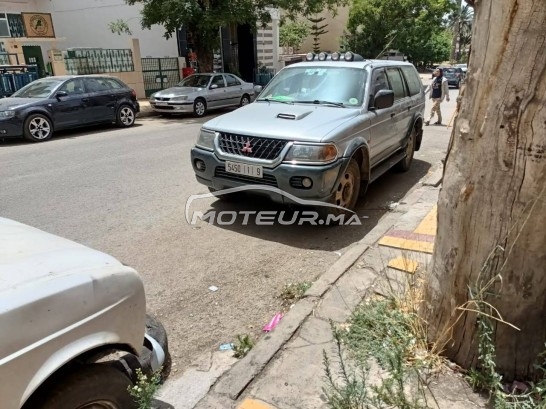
[338, 253]
[273, 323]
[226, 347]
[392, 205]
[213, 288]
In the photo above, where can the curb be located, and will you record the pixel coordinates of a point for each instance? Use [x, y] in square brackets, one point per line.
[236, 380]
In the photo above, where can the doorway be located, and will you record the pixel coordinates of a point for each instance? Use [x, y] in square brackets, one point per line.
[33, 56]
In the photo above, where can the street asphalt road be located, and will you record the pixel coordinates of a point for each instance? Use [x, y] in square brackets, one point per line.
[123, 191]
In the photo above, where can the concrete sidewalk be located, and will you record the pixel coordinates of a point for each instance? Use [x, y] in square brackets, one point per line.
[285, 370]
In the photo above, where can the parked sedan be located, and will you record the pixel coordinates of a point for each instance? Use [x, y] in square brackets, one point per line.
[55, 103]
[199, 93]
[454, 76]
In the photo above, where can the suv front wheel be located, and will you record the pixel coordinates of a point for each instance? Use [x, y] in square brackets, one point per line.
[346, 193]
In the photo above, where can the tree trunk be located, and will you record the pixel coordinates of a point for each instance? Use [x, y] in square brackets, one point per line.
[494, 192]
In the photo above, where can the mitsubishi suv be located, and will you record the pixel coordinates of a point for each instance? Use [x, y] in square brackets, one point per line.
[321, 130]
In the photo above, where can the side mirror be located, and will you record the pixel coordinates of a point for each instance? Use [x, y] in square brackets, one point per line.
[213, 86]
[258, 89]
[61, 94]
[384, 99]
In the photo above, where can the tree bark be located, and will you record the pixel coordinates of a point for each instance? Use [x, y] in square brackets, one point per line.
[494, 193]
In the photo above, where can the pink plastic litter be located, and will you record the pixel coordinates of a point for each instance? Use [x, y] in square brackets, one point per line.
[273, 323]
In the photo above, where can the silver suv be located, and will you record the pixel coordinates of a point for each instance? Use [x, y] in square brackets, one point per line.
[321, 130]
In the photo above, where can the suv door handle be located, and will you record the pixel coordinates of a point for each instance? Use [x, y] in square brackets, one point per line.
[393, 114]
[85, 99]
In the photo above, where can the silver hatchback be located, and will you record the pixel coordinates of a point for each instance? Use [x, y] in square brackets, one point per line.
[321, 130]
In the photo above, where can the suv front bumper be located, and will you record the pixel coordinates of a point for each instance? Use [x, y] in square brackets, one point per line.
[324, 177]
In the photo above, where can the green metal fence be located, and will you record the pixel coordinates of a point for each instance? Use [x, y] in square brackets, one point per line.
[160, 73]
[98, 61]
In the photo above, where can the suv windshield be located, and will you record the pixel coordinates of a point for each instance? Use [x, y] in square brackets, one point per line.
[38, 89]
[199, 81]
[341, 86]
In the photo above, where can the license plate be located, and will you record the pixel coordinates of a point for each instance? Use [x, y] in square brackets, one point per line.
[161, 104]
[244, 169]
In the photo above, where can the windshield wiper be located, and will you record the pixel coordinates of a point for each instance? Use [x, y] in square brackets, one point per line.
[275, 100]
[320, 102]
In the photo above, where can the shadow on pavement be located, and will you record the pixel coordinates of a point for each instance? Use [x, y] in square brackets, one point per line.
[158, 404]
[389, 188]
[67, 134]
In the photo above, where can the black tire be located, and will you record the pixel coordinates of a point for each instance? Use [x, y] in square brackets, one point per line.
[125, 117]
[347, 192]
[156, 330]
[231, 197]
[457, 86]
[245, 100]
[199, 107]
[86, 385]
[405, 164]
[38, 128]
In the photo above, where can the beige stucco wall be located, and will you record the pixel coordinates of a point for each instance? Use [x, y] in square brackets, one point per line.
[336, 26]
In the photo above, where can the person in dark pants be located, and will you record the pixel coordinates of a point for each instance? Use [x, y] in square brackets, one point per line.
[439, 90]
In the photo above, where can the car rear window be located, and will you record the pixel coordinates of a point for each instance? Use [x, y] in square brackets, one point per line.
[414, 82]
[114, 84]
[397, 83]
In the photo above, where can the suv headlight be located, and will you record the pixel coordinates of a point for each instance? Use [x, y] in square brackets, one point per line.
[7, 114]
[312, 153]
[206, 139]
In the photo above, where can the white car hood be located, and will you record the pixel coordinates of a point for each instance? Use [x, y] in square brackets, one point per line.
[31, 255]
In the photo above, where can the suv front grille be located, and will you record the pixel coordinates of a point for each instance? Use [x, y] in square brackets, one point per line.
[251, 147]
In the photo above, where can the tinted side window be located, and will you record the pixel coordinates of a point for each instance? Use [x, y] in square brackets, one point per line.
[397, 83]
[218, 80]
[73, 87]
[232, 81]
[113, 83]
[97, 85]
[414, 82]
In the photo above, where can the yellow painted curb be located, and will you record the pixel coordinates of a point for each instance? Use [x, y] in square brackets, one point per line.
[404, 264]
[405, 244]
[254, 404]
[429, 224]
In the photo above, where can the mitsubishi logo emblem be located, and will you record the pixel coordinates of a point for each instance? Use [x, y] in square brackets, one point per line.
[247, 148]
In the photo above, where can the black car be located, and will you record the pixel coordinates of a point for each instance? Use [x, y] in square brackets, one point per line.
[54, 103]
[454, 76]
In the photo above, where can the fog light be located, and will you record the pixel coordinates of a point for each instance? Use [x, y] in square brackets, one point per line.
[3, 132]
[200, 165]
[349, 56]
[306, 182]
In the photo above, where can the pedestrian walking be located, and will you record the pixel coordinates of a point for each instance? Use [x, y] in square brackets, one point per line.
[439, 90]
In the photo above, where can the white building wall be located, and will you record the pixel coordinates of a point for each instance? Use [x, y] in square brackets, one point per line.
[19, 6]
[84, 23]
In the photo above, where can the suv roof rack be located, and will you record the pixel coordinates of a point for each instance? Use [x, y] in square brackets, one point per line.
[335, 56]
